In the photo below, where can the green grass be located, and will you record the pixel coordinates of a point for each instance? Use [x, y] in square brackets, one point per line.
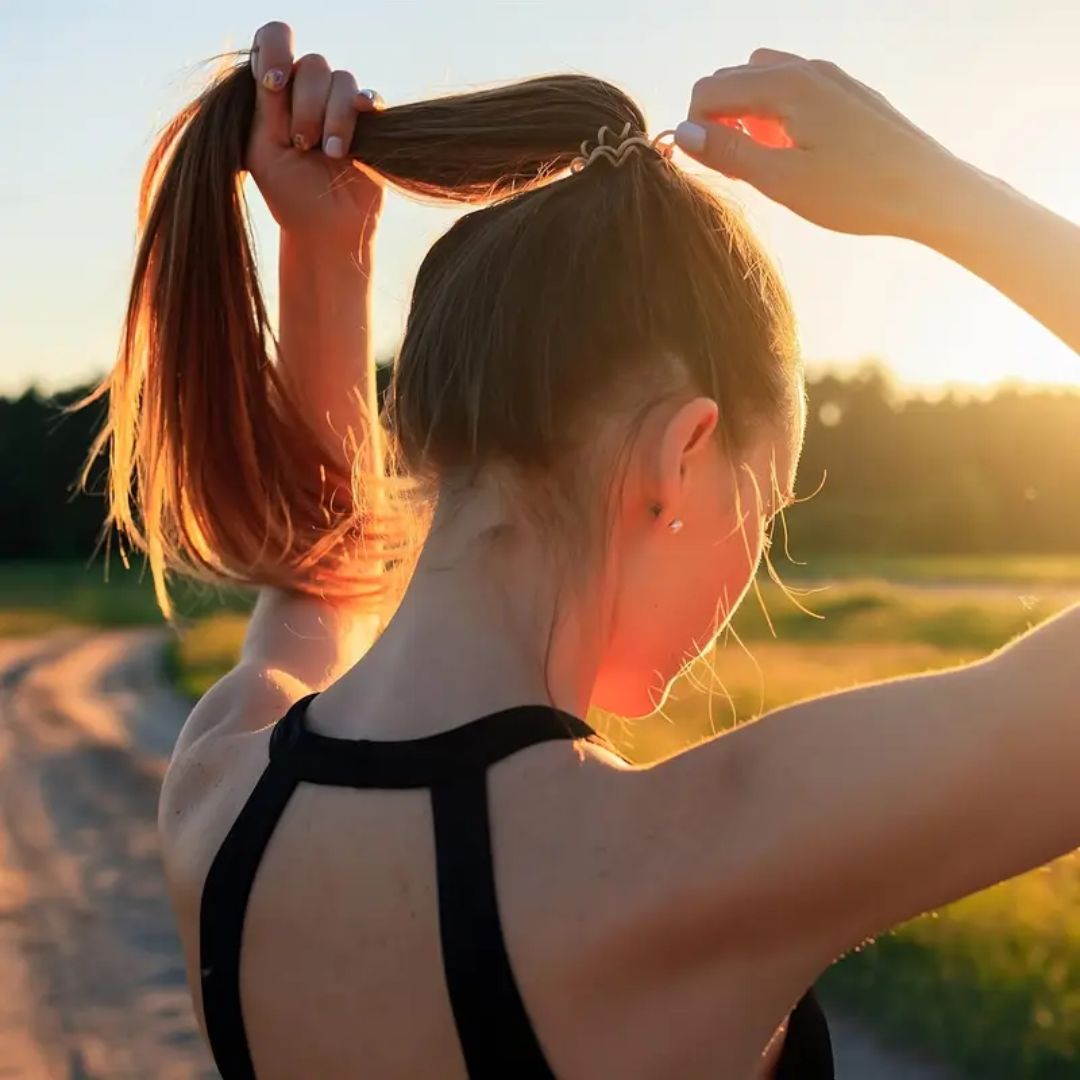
[991, 983]
[954, 569]
[205, 651]
[958, 616]
[39, 596]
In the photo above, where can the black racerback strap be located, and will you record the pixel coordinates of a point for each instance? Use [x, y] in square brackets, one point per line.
[807, 1050]
[221, 919]
[497, 1038]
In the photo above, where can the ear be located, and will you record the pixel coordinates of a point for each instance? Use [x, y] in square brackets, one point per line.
[686, 434]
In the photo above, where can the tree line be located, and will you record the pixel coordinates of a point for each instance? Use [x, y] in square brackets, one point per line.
[887, 472]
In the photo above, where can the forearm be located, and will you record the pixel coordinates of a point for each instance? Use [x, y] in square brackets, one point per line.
[324, 331]
[1027, 252]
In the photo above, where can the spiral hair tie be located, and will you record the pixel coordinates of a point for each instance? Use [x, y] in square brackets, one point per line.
[618, 153]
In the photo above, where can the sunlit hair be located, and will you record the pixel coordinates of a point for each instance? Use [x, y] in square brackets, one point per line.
[561, 293]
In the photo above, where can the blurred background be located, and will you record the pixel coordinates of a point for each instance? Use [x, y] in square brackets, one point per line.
[939, 513]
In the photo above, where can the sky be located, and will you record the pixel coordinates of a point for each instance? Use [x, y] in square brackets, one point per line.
[86, 86]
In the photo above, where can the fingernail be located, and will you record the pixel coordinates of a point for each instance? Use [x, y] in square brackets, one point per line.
[299, 141]
[373, 96]
[690, 137]
[334, 147]
[274, 79]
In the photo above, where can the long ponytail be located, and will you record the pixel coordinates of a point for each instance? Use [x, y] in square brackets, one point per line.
[214, 471]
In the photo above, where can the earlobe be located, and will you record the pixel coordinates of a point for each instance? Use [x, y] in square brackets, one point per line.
[674, 525]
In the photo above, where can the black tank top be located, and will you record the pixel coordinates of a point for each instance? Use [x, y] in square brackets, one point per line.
[497, 1038]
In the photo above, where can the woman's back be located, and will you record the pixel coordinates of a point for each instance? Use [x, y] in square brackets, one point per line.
[372, 939]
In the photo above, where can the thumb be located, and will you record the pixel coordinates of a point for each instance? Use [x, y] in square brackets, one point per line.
[272, 68]
[731, 152]
[273, 112]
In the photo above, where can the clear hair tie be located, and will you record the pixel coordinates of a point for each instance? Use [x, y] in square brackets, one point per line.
[618, 153]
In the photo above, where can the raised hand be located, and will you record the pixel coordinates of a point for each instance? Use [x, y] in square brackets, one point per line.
[305, 114]
[810, 136]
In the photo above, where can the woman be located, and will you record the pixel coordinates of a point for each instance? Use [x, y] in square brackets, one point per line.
[433, 866]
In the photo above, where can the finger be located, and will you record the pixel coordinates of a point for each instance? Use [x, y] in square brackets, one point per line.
[729, 151]
[341, 112]
[368, 100]
[767, 131]
[762, 57]
[741, 91]
[762, 129]
[311, 88]
[271, 64]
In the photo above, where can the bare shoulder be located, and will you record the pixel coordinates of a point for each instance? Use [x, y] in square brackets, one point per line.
[250, 697]
[218, 756]
[626, 906]
[294, 644]
[646, 851]
[665, 833]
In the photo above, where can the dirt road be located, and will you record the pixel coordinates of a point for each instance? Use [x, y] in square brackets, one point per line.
[91, 981]
[92, 978]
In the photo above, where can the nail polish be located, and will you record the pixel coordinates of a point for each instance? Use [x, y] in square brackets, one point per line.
[334, 147]
[690, 137]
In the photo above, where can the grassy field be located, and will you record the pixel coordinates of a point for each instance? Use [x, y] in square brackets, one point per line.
[991, 983]
[39, 596]
[953, 569]
[35, 597]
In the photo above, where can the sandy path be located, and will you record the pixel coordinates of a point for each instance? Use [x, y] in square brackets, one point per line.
[93, 982]
[93, 985]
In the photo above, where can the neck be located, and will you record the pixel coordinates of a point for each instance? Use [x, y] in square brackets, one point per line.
[481, 627]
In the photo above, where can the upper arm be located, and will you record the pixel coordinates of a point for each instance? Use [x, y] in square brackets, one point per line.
[829, 820]
[311, 639]
[294, 644]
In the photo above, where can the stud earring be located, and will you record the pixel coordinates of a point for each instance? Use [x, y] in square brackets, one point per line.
[675, 525]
